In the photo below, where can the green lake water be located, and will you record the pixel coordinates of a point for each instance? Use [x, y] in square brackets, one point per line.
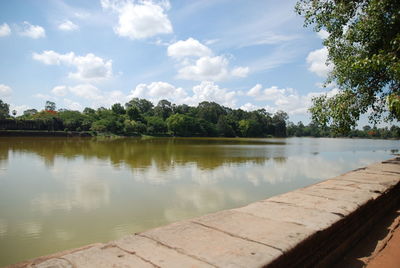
[61, 193]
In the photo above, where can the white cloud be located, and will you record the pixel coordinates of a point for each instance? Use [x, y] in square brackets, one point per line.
[60, 90]
[267, 94]
[87, 91]
[208, 91]
[264, 38]
[140, 19]
[44, 96]
[286, 99]
[205, 66]
[211, 68]
[89, 67]
[240, 71]
[205, 91]
[255, 91]
[211, 41]
[19, 108]
[323, 34]
[72, 105]
[156, 91]
[5, 91]
[68, 26]
[51, 57]
[188, 48]
[318, 64]
[32, 31]
[4, 30]
[250, 107]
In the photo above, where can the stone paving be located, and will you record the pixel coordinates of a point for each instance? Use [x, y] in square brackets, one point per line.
[312, 226]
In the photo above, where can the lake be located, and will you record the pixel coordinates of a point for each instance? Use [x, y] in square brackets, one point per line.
[61, 193]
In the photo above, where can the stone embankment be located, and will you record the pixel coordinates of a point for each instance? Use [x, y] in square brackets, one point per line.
[308, 227]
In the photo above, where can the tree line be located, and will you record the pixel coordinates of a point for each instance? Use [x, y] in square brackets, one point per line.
[141, 117]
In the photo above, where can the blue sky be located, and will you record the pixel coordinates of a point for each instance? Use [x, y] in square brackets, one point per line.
[242, 54]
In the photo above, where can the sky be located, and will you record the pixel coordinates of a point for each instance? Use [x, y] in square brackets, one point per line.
[247, 54]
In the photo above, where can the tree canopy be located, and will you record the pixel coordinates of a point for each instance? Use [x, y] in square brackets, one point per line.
[364, 47]
[4, 110]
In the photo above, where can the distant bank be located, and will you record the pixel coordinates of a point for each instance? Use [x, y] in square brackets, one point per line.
[43, 133]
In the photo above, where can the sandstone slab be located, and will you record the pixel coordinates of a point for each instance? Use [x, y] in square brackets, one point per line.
[310, 218]
[105, 256]
[157, 253]
[212, 246]
[258, 229]
[339, 207]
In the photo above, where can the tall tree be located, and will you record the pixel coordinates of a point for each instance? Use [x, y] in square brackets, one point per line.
[144, 106]
[4, 110]
[364, 47]
[50, 106]
[117, 108]
[163, 109]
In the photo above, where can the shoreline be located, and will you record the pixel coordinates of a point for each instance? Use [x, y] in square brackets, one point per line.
[50, 133]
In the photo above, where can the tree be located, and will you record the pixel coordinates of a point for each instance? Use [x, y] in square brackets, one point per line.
[156, 125]
[279, 121]
[4, 110]
[133, 113]
[364, 47]
[30, 112]
[50, 106]
[72, 119]
[182, 125]
[89, 111]
[144, 106]
[117, 108]
[163, 109]
[223, 128]
[249, 128]
[210, 111]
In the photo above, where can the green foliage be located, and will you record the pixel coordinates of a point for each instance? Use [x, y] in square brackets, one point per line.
[4, 110]
[144, 106]
[163, 109]
[134, 127]
[224, 129]
[210, 111]
[183, 121]
[50, 106]
[73, 120]
[313, 130]
[117, 108]
[394, 104]
[181, 125]
[156, 125]
[364, 45]
[249, 128]
[133, 113]
[30, 112]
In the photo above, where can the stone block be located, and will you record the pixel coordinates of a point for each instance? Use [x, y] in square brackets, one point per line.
[281, 235]
[311, 218]
[105, 256]
[157, 253]
[341, 183]
[54, 263]
[212, 246]
[339, 207]
[364, 176]
[357, 196]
